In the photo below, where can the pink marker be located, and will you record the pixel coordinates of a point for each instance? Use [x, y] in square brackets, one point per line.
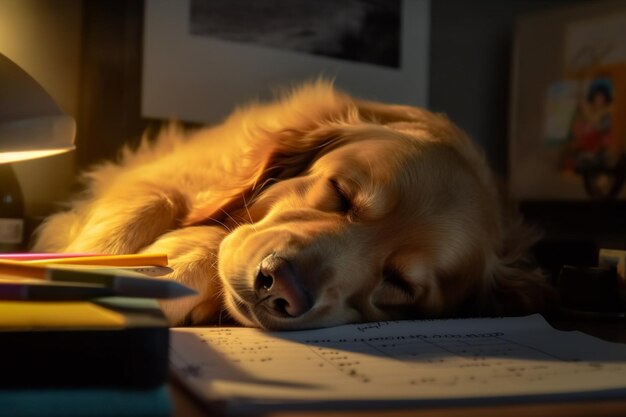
[23, 256]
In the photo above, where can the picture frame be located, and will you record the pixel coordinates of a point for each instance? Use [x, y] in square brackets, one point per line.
[563, 145]
[202, 78]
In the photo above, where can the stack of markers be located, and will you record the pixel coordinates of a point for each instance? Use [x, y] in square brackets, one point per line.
[44, 276]
[85, 335]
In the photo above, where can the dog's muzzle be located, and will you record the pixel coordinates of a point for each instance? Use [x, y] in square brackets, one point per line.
[279, 289]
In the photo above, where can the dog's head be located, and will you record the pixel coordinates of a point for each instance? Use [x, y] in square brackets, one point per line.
[365, 212]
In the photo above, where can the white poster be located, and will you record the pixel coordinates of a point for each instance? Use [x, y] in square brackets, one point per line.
[203, 58]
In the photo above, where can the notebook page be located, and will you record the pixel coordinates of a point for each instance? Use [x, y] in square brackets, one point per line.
[395, 362]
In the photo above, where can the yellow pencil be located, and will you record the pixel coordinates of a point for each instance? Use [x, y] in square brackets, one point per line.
[22, 269]
[139, 259]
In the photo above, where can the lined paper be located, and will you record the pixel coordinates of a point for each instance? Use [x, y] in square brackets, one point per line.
[395, 363]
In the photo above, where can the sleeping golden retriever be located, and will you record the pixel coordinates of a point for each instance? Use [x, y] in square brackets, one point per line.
[315, 210]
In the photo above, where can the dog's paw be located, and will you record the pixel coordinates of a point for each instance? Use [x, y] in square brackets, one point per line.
[192, 255]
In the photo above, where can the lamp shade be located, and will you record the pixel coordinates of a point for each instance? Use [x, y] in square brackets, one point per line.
[31, 124]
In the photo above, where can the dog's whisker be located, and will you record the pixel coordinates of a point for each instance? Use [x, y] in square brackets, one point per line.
[219, 222]
[264, 185]
[245, 205]
[261, 300]
[230, 217]
[372, 183]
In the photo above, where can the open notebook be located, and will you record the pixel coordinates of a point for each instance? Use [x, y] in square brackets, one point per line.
[395, 364]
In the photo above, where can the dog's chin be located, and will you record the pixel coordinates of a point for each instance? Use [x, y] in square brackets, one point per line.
[239, 310]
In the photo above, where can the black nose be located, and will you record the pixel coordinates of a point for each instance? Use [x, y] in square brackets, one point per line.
[279, 288]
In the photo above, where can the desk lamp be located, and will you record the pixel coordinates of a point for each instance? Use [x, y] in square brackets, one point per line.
[31, 126]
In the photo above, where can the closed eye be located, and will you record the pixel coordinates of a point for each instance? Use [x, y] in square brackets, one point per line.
[344, 201]
[393, 278]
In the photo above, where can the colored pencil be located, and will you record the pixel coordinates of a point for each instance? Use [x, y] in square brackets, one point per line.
[22, 269]
[148, 270]
[31, 256]
[139, 259]
[123, 282]
[49, 292]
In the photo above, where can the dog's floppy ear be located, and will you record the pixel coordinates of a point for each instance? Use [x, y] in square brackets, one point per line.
[515, 285]
[236, 203]
[518, 291]
[280, 140]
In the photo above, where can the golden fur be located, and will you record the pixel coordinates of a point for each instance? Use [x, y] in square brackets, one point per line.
[315, 210]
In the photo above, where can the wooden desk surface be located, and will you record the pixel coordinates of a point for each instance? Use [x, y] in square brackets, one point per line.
[613, 330]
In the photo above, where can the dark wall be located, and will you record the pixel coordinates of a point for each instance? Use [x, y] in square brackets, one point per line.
[110, 86]
[471, 46]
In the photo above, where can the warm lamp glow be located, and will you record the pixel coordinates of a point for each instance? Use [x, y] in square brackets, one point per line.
[36, 138]
[26, 155]
[31, 123]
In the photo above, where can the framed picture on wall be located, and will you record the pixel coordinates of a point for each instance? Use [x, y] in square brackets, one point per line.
[202, 58]
[568, 119]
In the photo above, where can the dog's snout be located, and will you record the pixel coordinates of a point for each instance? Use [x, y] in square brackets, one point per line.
[279, 288]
